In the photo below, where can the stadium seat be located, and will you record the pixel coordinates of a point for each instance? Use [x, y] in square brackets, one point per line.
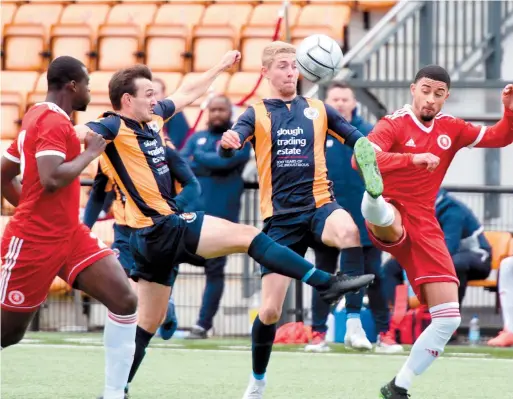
[39, 93]
[191, 114]
[97, 106]
[254, 38]
[242, 83]
[99, 82]
[132, 14]
[234, 14]
[171, 79]
[219, 86]
[180, 14]
[73, 40]
[15, 86]
[315, 18]
[500, 242]
[8, 10]
[7, 208]
[93, 15]
[300, 32]
[29, 30]
[209, 44]
[166, 47]
[118, 46]
[373, 5]
[267, 14]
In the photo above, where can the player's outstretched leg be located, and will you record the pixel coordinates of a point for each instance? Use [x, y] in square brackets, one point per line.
[220, 237]
[442, 299]
[106, 281]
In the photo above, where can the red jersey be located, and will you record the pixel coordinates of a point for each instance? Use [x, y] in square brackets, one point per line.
[45, 130]
[399, 136]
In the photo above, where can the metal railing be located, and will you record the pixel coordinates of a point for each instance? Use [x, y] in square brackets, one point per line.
[72, 311]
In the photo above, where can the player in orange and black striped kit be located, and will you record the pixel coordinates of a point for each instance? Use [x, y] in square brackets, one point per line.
[288, 133]
[164, 235]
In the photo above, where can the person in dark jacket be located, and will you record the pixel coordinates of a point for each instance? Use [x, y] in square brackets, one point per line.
[465, 240]
[221, 186]
[348, 189]
[177, 127]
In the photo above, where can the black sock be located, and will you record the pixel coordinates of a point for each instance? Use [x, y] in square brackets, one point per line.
[262, 337]
[282, 260]
[142, 339]
[353, 265]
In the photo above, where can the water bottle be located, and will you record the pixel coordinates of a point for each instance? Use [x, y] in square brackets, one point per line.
[474, 333]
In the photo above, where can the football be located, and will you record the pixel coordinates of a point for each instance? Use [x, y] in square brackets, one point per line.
[318, 58]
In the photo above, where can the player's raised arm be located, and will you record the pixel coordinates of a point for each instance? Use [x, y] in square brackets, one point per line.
[11, 187]
[189, 92]
[241, 132]
[191, 189]
[341, 129]
[496, 136]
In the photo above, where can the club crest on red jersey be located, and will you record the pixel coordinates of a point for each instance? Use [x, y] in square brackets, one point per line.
[444, 141]
[16, 297]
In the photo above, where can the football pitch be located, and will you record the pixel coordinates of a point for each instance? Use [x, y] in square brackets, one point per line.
[70, 366]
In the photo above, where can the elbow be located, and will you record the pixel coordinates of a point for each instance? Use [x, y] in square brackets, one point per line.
[50, 185]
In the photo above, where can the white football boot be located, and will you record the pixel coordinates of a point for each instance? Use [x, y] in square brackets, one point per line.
[355, 337]
[255, 389]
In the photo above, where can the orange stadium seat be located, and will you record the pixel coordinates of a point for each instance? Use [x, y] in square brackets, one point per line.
[92, 15]
[234, 14]
[73, 40]
[254, 38]
[191, 114]
[209, 43]
[15, 86]
[180, 14]
[219, 86]
[315, 18]
[166, 47]
[99, 82]
[8, 10]
[29, 31]
[119, 39]
[171, 79]
[242, 83]
[373, 5]
[39, 93]
[500, 242]
[267, 14]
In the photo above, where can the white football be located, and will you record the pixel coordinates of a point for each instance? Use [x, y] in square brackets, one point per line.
[318, 58]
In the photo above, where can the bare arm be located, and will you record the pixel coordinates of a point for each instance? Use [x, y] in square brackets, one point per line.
[11, 187]
[55, 173]
[191, 91]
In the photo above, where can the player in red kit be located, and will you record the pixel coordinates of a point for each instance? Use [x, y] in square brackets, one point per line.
[45, 238]
[415, 147]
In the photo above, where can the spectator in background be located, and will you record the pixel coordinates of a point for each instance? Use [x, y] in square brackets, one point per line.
[464, 237]
[349, 189]
[505, 337]
[221, 186]
[177, 127]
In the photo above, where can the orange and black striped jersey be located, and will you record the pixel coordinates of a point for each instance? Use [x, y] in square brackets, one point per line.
[289, 140]
[138, 157]
[118, 204]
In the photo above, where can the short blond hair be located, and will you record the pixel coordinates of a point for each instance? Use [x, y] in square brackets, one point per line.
[274, 48]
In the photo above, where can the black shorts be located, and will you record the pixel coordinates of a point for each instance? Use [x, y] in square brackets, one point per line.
[121, 246]
[299, 230]
[159, 249]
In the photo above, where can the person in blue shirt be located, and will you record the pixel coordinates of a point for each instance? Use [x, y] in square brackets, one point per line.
[177, 127]
[221, 187]
[465, 240]
[348, 188]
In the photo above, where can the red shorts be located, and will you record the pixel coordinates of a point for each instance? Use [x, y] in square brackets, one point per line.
[29, 267]
[421, 251]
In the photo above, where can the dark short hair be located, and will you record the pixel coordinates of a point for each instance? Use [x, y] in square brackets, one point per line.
[123, 81]
[338, 85]
[434, 72]
[222, 97]
[63, 70]
[162, 83]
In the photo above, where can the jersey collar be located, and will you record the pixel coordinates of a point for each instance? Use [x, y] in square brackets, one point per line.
[420, 125]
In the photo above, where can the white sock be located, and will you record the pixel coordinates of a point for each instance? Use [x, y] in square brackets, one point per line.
[506, 292]
[445, 319]
[119, 342]
[377, 211]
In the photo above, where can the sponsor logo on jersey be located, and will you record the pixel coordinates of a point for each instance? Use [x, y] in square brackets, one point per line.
[410, 143]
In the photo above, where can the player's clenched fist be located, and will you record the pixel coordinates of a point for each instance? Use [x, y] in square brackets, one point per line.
[427, 160]
[230, 140]
[230, 58]
[507, 97]
[94, 143]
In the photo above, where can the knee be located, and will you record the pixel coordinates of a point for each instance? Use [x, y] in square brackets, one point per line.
[245, 235]
[126, 304]
[270, 314]
[13, 337]
[347, 237]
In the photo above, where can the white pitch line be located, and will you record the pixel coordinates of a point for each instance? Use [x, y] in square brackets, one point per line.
[450, 356]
